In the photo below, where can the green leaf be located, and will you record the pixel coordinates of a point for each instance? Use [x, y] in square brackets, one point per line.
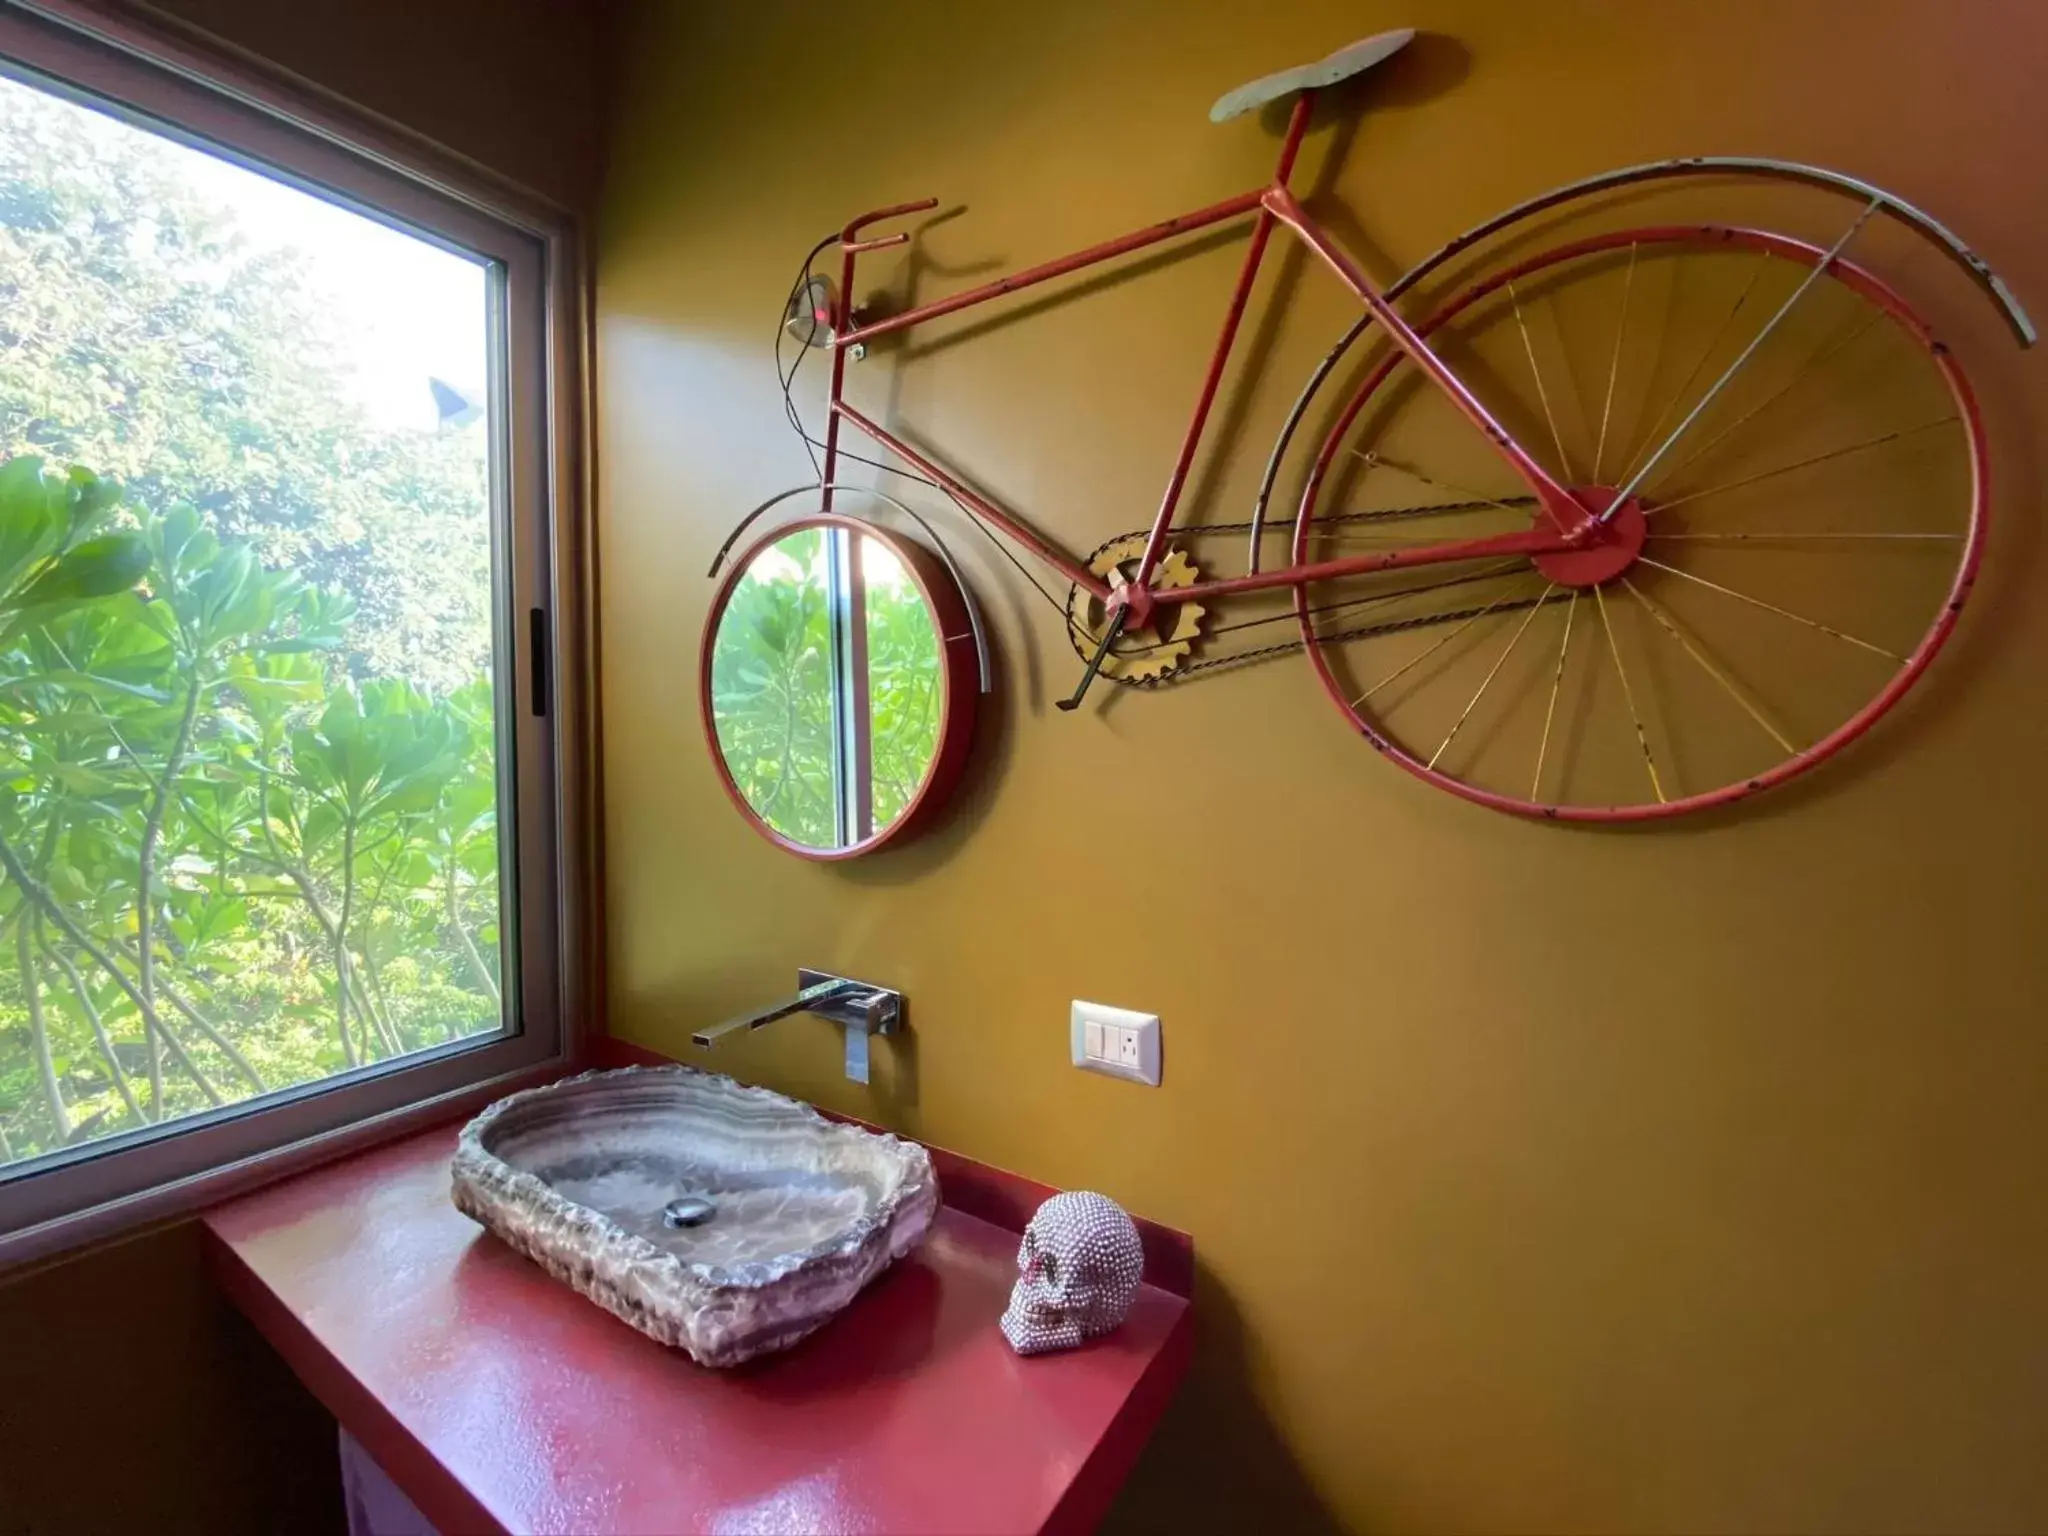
[68, 885]
[31, 521]
[410, 796]
[99, 567]
[90, 500]
[99, 685]
[293, 644]
[342, 720]
[177, 530]
[81, 781]
[218, 919]
[322, 826]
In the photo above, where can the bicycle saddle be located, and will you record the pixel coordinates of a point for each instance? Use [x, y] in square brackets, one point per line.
[1341, 65]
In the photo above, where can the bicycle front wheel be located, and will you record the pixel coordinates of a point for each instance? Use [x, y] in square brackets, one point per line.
[1798, 510]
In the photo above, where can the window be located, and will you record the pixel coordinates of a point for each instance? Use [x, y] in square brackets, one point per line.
[277, 791]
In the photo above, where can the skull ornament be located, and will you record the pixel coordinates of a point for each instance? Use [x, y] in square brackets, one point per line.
[1081, 1263]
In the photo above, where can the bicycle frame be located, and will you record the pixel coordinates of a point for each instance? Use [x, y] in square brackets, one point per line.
[1568, 523]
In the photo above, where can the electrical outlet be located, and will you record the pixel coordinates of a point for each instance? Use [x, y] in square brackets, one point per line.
[1116, 1042]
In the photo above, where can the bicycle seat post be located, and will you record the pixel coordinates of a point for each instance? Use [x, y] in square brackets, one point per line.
[1297, 125]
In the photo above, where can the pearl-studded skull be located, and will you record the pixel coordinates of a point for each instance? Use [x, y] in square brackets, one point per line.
[1080, 1267]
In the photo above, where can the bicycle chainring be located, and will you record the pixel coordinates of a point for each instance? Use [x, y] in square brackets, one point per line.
[1141, 657]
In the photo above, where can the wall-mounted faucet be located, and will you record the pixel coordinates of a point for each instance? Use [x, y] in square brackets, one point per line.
[860, 1008]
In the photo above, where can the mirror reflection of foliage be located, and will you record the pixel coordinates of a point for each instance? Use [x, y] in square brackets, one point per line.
[773, 683]
[229, 866]
[771, 688]
[905, 690]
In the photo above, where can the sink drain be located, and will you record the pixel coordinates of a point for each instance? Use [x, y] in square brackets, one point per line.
[689, 1211]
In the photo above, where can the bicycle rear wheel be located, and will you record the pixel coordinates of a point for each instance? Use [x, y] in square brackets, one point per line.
[1791, 550]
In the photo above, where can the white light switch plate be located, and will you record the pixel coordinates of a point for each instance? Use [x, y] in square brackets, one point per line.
[1116, 1042]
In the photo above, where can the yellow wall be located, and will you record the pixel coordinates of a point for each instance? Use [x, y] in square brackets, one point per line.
[1543, 1179]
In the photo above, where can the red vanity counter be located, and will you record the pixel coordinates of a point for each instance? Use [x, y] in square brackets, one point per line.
[498, 1399]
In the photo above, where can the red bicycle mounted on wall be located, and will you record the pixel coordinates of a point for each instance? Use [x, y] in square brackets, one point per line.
[1716, 496]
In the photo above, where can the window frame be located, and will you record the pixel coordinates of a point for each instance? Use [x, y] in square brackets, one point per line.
[294, 132]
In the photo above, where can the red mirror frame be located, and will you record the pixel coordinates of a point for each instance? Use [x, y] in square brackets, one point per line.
[959, 664]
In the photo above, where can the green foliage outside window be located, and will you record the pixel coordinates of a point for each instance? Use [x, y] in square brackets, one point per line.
[229, 866]
[248, 806]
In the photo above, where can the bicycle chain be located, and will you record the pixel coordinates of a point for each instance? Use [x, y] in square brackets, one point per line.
[1284, 647]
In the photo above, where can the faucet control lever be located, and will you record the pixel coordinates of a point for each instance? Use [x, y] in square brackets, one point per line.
[853, 1004]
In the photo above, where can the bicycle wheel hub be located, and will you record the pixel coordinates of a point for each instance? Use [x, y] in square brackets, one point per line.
[1610, 550]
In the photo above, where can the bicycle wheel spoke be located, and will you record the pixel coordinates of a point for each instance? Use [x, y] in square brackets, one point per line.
[1628, 284]
[1520, 630]
[1415, 661]
[1699, 362]
[1820, 356]
[1629, 696]
[1377, 461]
[1742, 358]
[1711, 670]
[1784, 613]
[1785, 469]
[1529, 350]
[1797, 538]
[1556, 682]
[1374, 599]
[1340, 535]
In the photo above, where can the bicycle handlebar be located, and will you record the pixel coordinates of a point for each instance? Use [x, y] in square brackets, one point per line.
[852, 246]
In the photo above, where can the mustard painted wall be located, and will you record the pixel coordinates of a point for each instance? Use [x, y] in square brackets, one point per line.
[1543, 1179]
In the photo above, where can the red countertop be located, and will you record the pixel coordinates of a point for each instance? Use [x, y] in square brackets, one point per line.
[498, 1399]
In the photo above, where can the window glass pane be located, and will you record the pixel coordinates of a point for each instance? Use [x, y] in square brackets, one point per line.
[248, 766]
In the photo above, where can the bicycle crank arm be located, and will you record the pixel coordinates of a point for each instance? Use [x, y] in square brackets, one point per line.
[1116, 627]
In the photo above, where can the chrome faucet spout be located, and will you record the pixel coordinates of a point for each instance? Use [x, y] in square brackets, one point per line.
[809, 998]
[858, 1007]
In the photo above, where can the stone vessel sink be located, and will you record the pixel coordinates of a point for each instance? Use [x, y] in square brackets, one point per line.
[587, 1177]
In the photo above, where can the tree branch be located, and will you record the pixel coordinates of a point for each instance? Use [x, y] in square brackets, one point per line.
[382, 998]
[380, 1005]
[476, 960]
[145, 904]
[366, 1010]
[201, 1023]
[341, 964]
[36, 892]
[39, 1034]
[99, 1027]
[213, 1094]
[303, 879]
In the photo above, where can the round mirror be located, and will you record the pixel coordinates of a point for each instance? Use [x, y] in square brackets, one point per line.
[838, 681]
